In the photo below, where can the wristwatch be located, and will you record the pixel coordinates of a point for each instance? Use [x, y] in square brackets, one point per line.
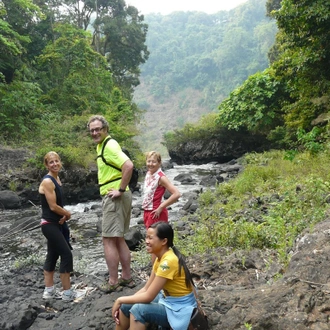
[121, 190]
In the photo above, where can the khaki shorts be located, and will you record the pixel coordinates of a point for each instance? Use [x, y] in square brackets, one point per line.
[116, 215]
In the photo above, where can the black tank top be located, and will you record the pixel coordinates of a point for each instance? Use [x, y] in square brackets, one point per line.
[47, 213]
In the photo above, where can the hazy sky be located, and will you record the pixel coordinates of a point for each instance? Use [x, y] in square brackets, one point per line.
[167, 6]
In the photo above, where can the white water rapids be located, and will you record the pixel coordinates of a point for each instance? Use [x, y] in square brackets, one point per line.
[88, 251]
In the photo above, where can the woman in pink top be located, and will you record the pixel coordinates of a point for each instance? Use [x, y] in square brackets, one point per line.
[155, 185]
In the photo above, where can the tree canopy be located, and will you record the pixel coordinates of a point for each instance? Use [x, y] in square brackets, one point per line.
[286, 101]
[53, 74]
[63, 61]
[212, 53]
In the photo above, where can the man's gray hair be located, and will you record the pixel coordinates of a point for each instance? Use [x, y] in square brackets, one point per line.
[104, 122]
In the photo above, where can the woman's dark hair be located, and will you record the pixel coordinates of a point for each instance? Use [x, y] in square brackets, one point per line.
[165, 230]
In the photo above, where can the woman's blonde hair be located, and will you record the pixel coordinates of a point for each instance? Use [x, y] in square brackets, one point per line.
[50, 154]
[154, 153]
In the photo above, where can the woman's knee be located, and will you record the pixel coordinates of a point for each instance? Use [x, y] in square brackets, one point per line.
[125, 308]
[138, 313]
[66, 265]
[150, 313]
[135, 324]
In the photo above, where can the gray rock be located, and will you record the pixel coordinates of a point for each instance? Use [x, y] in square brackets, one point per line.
[221, 148]
[9, 200]
[134, 237]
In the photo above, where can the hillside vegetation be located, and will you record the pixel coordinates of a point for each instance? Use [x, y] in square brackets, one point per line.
[57, 67]
[288, 102]
[266, 206]
[55, 74]
[195, 61]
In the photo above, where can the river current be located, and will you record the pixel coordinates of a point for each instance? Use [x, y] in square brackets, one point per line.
[19, 246]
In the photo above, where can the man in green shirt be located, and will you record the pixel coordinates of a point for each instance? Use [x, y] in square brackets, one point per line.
[113, 178]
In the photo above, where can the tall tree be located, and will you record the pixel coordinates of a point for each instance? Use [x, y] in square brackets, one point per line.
[18, 95]
[73, 76]
[123, 44]
[16, 18]
[303, 61]
[118, 33]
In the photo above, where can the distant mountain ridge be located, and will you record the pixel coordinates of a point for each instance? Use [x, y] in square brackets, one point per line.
[195, 61]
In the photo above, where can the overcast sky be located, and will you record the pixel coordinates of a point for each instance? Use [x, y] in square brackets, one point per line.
[165, 7]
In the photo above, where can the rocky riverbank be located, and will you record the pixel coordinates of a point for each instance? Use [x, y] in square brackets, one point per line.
[246, 290]
[241, 290]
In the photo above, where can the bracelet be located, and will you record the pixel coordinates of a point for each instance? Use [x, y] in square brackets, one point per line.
[121, 190]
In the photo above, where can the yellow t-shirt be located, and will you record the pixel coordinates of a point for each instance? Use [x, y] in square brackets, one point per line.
[115, 156]
[168, 267]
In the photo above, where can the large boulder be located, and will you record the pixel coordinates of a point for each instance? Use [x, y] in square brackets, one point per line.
[9, 200]
[221, 148]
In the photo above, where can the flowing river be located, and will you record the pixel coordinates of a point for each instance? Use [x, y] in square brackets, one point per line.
[18, 245]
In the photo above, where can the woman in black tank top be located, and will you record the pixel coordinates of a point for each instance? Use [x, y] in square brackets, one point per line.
[56, 231]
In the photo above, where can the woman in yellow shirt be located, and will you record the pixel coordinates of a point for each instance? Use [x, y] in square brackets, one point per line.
[167, 299]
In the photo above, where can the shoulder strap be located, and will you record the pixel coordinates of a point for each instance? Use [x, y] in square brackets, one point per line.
[59, 188]
[103, 159]
[53, 179]
[105, 162]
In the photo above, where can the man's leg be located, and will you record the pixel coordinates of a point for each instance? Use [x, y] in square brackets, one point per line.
[111, 258]
[124, 258]
[116, 221]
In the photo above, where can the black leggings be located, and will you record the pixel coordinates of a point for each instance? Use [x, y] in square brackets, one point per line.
[57, 246]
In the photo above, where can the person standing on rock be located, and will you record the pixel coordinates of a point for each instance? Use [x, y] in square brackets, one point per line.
[155, 185]
[56, 231]
[168, 298]
[116, 203]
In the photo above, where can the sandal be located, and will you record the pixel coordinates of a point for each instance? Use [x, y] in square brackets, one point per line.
[108, 288]
[128, 283]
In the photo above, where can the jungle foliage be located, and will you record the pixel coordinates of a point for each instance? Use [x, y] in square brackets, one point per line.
[62, 62]
[287, 100]
[55, 72]
[212, 53]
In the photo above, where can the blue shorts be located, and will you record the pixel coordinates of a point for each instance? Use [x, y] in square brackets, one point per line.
[153, 313]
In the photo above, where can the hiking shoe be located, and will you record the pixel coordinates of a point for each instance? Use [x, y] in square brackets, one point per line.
[128, 283]
[48, 294]
[108, 288]
[54, 294]
[70, 295]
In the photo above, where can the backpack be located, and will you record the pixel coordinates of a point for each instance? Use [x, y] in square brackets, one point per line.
[135, 174]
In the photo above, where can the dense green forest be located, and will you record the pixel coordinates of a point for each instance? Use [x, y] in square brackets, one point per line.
[57, 67]
[289, 101]
[196, 60]
[54, 73]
